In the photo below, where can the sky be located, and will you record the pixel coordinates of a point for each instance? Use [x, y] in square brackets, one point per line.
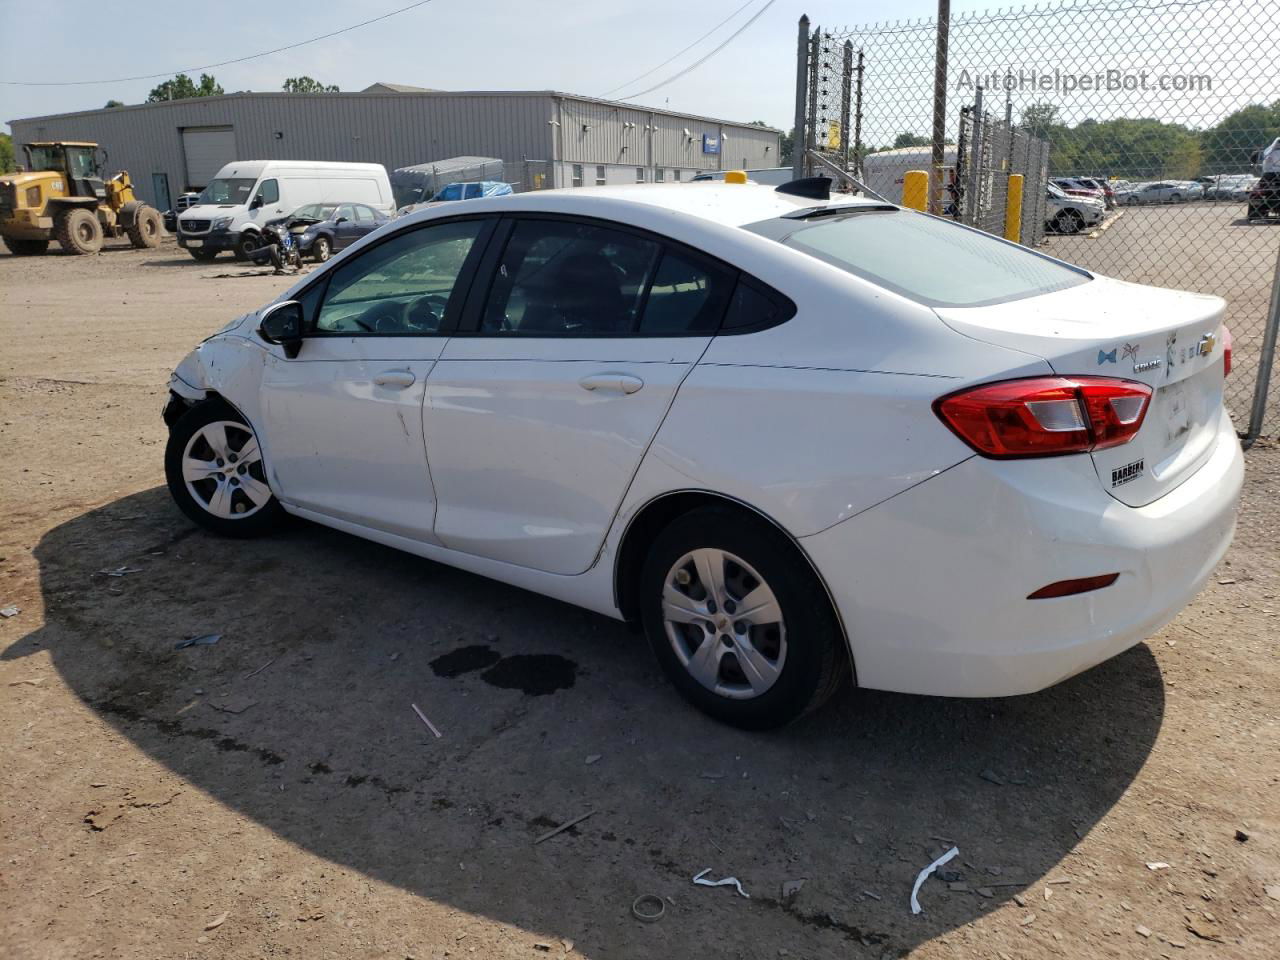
[568, 45]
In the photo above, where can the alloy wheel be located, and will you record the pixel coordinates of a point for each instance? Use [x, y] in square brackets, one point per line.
[222, 468]
[724, 623]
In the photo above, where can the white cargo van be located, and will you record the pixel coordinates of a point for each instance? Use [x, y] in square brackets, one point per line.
[249, 193]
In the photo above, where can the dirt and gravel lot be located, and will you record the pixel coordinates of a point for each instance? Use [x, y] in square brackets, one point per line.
[275, 795]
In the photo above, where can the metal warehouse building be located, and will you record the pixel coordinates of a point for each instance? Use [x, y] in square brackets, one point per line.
[545, 138]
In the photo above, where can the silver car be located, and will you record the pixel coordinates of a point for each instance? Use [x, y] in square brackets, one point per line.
[1064, 213]
[1162, 191]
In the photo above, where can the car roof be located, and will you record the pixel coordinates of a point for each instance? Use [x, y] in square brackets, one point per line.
[726, 204]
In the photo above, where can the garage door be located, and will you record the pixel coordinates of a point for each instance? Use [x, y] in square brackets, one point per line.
[208, 150]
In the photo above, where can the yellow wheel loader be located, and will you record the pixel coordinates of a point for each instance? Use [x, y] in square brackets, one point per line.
[61, 196]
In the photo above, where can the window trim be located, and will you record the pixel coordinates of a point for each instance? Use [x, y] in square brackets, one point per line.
[482, 278]
[461, 289]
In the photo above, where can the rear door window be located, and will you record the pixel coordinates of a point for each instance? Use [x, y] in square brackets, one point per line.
[927, 259]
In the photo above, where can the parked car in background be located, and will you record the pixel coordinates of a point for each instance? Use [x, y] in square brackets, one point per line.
[1075, 187]
[1224, 187]
[320, 229]
[980, 487]
[246, 194]
[453, 192]
[1100, 184]
[1162, 191]
[1264, 197]
[184, 200]
[1067, 213]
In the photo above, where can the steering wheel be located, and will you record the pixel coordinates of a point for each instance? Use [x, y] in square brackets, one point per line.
[425, 313]
[380, 317]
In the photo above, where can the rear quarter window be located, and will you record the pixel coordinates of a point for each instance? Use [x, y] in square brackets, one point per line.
[923, 258]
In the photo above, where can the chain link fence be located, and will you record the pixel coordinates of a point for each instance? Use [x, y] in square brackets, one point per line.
[1144, 132]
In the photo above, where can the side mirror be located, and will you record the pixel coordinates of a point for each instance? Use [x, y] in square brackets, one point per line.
[282, 323]
[256, 202]
[341, 220]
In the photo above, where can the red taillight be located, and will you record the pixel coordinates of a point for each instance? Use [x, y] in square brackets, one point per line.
[1227, 343]
[1067, 588]
[1046, 416]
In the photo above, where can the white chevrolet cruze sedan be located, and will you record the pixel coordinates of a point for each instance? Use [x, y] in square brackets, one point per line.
[796, 437]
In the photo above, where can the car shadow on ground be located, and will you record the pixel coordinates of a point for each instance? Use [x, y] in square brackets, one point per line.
[547, 712]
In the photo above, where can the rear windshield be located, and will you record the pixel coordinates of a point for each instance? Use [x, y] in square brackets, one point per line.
[927, 259]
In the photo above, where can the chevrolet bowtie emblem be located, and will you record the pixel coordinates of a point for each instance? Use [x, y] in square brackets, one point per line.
[1206, 344]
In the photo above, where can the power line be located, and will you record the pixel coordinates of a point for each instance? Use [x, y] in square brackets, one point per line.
[210, 66]
[697, 63]
[623, 86]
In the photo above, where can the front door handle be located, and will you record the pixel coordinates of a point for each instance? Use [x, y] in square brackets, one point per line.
[618, 382]
[395, 378]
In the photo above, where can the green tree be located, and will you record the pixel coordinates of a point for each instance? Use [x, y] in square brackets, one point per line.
[910, 140]
[113, 103]
[786, 148]
[6, 153]
[1039, 118]
[183, 87]
[1229, 146]
[307, 85]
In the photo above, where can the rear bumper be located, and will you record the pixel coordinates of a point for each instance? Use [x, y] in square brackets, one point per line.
[931, 584]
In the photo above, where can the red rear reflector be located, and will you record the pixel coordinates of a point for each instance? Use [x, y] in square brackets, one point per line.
[1227, 344]
[1046, 416]
[1065, 588]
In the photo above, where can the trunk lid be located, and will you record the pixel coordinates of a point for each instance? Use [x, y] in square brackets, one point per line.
[1170, 340]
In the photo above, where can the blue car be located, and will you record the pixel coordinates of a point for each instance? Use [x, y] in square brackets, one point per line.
[322, 228]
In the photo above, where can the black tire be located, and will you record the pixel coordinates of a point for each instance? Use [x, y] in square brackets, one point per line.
[146, 229]
[253, 524]
[26, 248]
[78, 231]
[1254, 213]
[247, 243]
[321, 249]
[815, 662]
[201, 254]
[1068, 221]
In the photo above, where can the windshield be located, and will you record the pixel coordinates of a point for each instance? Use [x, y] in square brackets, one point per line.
[314, 211]
[230, 190]
[1055, 190]
[926, 259]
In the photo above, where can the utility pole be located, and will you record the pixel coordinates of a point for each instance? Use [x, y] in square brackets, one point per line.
[940, 105]
[798, 138]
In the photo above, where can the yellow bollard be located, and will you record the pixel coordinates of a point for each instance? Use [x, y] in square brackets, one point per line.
[1013, 209]
[915, 190]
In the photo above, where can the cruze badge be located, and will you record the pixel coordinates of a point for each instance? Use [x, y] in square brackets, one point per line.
[1147, 365]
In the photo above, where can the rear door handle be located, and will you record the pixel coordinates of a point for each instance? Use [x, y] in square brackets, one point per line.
[395, 378]
[617, 382]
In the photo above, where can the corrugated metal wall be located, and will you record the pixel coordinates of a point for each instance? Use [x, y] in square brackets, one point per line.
[405, 128]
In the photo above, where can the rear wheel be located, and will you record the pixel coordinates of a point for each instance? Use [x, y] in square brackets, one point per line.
[738, 620]
[78, 231]
[25, 248]
[321, 249]
[245, 246]
[145, 232]
[214, 468]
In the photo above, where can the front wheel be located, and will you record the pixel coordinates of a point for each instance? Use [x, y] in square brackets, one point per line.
[213, 465]
[321, 249]
[78, 231]
[739, 621]
[245, 246]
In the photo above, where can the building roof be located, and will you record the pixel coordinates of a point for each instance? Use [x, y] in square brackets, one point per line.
[383, 87]
[404, 92]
